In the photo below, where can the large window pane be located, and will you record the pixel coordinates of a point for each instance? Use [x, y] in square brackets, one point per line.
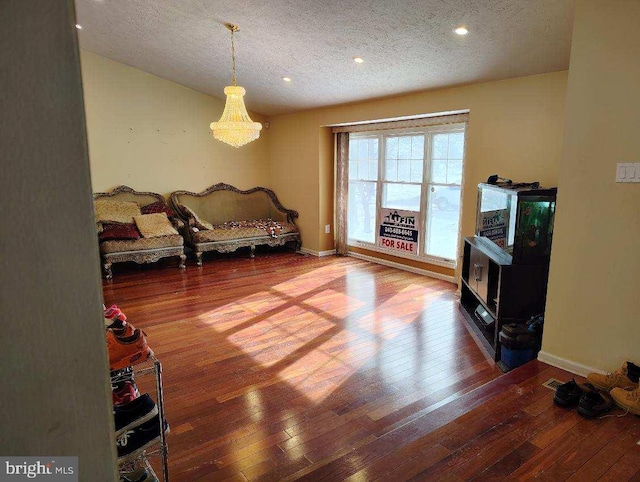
[401, 196]
[362, 211]
[442, 221]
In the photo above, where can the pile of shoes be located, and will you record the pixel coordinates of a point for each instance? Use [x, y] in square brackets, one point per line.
[622, 385]
[136, 417]
[598, 396]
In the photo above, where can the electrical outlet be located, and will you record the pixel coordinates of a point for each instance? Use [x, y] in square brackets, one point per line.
[327, 228]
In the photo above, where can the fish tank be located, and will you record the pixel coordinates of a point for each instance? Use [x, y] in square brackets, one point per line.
[518, 218]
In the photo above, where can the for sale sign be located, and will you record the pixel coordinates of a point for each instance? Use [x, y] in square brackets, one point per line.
[399, 231]
[494, 226]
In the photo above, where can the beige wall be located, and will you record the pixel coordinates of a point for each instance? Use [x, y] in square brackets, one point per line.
[56, 398]
[592, 309]
[152, 134]
[515, 130]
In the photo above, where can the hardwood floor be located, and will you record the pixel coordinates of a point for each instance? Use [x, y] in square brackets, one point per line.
[291, 367]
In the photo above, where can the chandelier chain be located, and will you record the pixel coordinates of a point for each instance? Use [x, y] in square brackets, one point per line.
[233, 59]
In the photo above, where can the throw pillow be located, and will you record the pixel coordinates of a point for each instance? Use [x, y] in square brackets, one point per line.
[157, 207]
[154, 225]
[115, 211]
[118, 231]
[200, 223]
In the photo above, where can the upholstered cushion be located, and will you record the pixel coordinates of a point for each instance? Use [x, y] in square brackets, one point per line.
[154, 225]
[175, 240]
[157, 207]
[200, 223]
[118, 231]
[226, 233]
[115, 211]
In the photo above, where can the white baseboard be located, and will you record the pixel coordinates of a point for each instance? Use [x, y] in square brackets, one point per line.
[317, 253]
[568, 365]
[404, 267]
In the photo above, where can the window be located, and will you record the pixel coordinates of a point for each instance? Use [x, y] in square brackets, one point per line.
[404, 191]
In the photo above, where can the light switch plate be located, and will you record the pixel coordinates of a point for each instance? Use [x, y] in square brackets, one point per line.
[628, 172]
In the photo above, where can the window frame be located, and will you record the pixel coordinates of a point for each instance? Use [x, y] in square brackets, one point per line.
[428, 132]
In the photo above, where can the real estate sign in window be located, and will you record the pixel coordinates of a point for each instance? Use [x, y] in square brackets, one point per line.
[404, 192]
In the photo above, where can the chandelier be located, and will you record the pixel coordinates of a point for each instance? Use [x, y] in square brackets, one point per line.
[235, 127]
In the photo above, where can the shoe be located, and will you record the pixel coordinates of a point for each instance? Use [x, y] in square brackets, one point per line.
[124, 393]
[628, 400]
[123, 375]
[113, 316]
[135, 441]
[618, 378]
[134, 413]
[127, 351]
[140, 474]
[594, 403]
[568, 394]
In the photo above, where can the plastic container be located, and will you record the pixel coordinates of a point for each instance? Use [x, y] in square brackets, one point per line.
[517, 346]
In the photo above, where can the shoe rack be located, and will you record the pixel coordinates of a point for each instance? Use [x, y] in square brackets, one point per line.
[151, 366]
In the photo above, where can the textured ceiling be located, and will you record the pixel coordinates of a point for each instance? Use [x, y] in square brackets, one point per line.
[408, 45]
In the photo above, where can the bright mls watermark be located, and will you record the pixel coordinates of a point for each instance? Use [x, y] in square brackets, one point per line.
[54, 469]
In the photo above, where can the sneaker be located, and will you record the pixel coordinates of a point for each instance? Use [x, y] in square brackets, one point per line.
[114, 317]
[619, 379]
[127, 351]
[135, 441]
[124, 392]
[628, 400]
[140, 474]
[114, 312]
[123, 375]
[594, 403]
[134, 413]
[568, 394]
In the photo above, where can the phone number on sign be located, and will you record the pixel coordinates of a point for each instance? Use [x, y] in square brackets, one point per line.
[400, 231]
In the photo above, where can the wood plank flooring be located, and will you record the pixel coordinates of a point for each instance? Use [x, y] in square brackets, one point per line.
[292, 367]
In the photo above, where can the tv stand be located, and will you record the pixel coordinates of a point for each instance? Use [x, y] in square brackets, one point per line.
[495, 291]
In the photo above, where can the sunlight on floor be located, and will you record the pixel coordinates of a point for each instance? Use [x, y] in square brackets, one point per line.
[304, 330]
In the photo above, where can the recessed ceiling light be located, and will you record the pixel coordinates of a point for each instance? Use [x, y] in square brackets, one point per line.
[286, 79]
[78, 26]
[358, 60]
[461, 30]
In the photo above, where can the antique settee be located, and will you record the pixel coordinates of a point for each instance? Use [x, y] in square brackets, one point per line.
[223, 218]
[136, 226]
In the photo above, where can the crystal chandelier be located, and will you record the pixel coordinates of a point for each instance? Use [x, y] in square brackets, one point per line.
[235, 127]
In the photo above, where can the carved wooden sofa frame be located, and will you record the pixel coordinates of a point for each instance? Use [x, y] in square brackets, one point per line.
[143, 253]
[183, 201]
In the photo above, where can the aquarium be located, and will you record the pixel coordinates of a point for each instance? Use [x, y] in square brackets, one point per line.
[518, 218]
